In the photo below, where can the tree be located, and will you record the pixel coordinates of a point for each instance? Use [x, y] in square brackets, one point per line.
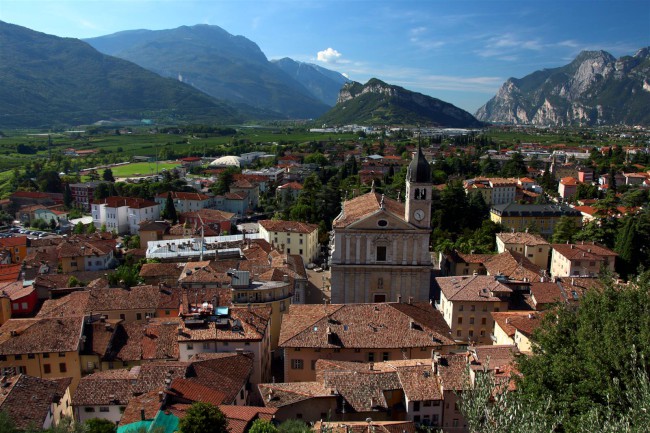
[294, 426]
[67, 196]
[90, 229]
[224, 181]
[99, 425]
[587, 358]
[262, 426]
[101, 191]
[52, 224]
[565, 230]
[203, 418]
[125, 276]
[49, 181]
[515, 166]
[107, 175]
[79, 228]
[169, 212]
[6, 423]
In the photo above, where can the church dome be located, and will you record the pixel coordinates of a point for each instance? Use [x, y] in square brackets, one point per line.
[419, 170]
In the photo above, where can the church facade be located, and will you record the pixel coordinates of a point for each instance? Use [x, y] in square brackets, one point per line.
[381, 246]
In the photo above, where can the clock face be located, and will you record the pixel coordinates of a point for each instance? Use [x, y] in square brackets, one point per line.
[419, 214]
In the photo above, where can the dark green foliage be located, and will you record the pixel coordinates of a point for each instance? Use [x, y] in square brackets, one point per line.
[6, 424]
[586, 357]
[633, 244]
[107, 175]
[565, 230]
[262, 426]
[378, 106]
[67, 196]
[224, 181]
[98, 425]
[169, 211]
[49, 181]
[294, 426]
[203, 418]
[125, 276]
[515, 166]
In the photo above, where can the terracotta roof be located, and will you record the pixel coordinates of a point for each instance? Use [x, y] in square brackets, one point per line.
[288, 226]
[10, 272]
[131, 202]
[236, 195]
[14, 241]
[209, 214]
[15, 290]
[72, 305]
[135, 298]
[525, 321]
[365, 427]
[419, 382]
[388, 325]
[523, 238]
[546, 293]
[254, 323]
[40, 335]
[80, 248]
[226, 372]
[364, 205]
[494, 356]
[180, 195]
[584, 251]
[240, 417]
[161, 270]
[473, 258]
[569, 181]
[451, 371]
[192, 391]
[27, 400]
[513, 265]
[477, 288]
[154, 226]
[278, 395]
[291, 185]
[149, 402]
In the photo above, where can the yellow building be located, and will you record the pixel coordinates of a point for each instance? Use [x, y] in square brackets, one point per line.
[534, 247]
[42, 347]
[79, 255]
[543, 217]
[466, 303]
[359, 332]
[516, 328]
[5, 308]
[16, 247]
[292, 237]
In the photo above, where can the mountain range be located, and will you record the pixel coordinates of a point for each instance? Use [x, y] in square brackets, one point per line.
[594, 89]
[46, 80]
[379, 103]
[219, 64]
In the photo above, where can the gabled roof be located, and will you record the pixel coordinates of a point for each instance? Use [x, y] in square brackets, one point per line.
[40, 335]
[388, 325]
[524, 321]
[523, 238]
[288, 226]
[477, 288]
[366, 204]
[27, 399]
[513, 265]
[584, 251]
[131, 202]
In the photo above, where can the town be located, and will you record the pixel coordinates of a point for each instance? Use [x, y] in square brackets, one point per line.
[341, 283]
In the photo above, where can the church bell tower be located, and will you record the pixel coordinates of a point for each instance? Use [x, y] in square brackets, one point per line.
[418, 191]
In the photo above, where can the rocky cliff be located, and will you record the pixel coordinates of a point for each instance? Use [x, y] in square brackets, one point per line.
[379, 103]
[593, 89]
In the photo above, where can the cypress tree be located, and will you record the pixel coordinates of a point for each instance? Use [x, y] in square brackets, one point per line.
[169, 212]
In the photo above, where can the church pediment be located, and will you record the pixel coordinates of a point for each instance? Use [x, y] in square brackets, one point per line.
[381, 219]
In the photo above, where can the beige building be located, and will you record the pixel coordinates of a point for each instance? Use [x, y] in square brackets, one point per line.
[292, 237]
[534, 247]
[581, 260]
[466, 303]
[42, 347]
[361, 333]
[380, 249]
[516, 328]
[543, 217]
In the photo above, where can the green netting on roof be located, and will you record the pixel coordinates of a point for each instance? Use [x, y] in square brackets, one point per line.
[134, 427]
[165, 422]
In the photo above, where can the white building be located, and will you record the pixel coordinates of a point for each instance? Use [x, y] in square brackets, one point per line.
[124, 214]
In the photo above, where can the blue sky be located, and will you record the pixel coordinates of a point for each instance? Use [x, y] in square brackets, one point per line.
[456, 50]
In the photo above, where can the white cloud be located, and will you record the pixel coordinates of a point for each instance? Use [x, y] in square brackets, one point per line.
[330, 55]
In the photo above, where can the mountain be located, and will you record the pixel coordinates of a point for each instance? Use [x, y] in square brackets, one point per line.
[46, 80]
[379, 103]
[214, 61]
[321, 83]
[595, 88]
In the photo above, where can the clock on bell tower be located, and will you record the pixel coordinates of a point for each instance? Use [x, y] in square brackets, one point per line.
[418, 191]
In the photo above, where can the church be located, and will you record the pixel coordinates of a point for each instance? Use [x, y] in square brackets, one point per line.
[381, 246]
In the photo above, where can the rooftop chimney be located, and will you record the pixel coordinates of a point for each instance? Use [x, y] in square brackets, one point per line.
[142, 416]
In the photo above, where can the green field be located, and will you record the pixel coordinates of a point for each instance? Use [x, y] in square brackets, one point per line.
[142, 168]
